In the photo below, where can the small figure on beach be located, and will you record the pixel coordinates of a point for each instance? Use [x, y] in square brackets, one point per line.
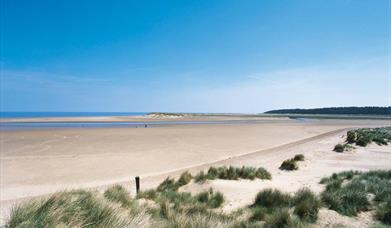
[146, 126]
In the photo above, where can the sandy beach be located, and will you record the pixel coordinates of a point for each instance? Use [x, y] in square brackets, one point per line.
[39, 162]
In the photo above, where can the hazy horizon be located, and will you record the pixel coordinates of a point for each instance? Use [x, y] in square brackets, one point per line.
[125, 113]
[194, 56]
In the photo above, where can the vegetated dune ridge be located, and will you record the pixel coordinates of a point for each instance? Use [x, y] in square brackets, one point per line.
[39, 166]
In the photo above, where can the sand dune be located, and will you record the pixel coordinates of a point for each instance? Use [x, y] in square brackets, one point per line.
[44, 161]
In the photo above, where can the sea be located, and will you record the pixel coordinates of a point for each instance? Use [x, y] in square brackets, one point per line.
[67, 114]
[36, 125]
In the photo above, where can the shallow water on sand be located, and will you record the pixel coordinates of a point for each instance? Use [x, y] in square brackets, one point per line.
[49, 125]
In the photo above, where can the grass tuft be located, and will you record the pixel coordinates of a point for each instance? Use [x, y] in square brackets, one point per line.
[298, 157]
[347, 200]
[150, 194]
[184, 179]
[210, 198]
[347, 192]
[118, 194]
[339, 148]
[201, 177]
[68, 209]
[259, 213]
[383, 212]
[272, 198]
[233, 173]
[351, 137]
[289, 165]
[280, 218]
[167, 185]
[307, 205]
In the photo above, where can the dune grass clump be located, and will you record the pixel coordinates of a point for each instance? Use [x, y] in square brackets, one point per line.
[347, 200]
[307, 205]
[167, 192]
[233, 173]
[365, 136]
[343, 147]
[351, 137]
[348, 192]
[345, 175]
[176, 199]
[278, 218]
[216, 200]
[150, 194]
[118, 194]
[181, 209]
[200, 177]
[263, 174]
[184, 179]
[211, 198]
[298, 157]
[363, 140]
[383, 211]
[193, 216]
[69, 209]
[266, 202]
[272, 205]
[281, 218]
[289, 165]
[168, 184]
[259, 213]
[339, 148]
[272, 198]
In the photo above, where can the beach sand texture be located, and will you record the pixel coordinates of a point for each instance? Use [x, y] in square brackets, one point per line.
[39, 162]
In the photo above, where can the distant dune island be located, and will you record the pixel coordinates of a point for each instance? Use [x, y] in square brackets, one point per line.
[165, 115]
[372, 110]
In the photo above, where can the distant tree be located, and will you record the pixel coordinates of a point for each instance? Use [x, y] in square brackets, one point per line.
[337, 111]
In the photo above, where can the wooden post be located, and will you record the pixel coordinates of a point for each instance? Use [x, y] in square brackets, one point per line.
[137, 184]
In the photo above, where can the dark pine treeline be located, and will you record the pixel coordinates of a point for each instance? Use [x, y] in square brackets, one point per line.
[337, 110]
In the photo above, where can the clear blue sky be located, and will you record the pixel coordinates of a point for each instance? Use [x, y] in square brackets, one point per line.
[194, 56]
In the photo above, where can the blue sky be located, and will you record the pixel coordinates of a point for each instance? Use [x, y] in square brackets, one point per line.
[194, 56]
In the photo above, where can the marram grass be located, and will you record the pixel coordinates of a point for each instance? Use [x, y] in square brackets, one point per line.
[346, 192]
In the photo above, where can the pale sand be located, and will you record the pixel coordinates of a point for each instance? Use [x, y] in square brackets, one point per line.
[40, 162]
[320, 161]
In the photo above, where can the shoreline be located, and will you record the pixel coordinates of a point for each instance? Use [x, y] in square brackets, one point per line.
[152, 117]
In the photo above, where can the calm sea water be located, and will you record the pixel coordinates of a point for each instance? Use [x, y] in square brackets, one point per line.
[88, 124]
[66, 114]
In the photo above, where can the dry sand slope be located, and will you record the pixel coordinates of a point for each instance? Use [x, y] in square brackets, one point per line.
[44, 161]
[320, 161]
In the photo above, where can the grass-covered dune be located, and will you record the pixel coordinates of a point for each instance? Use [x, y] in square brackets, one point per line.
[363, 137]
[164, 206]
[352, 192]
[233, 173]
[348, 193]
